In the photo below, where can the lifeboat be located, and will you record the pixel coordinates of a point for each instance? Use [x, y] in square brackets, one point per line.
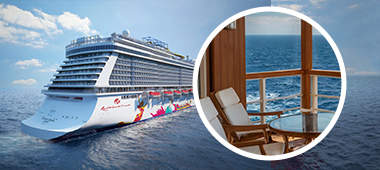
[190, 90]
[185, 92]
[168, 93]
[177, 92]
[154, 94]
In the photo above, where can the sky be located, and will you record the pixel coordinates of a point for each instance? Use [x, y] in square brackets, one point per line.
[273, 23]
[33, 34]
[352, 24]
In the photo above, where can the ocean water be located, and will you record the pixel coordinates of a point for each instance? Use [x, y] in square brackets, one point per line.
[283, 52]
[175, 141]
[353, 143]
[181, 141]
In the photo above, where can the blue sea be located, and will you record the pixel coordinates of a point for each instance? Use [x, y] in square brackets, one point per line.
[175, 141]
[282, 52]
[354, 141]
[181, 141]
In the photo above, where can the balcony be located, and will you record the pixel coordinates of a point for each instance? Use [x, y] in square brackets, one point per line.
[70, 68]
[78, 73]
[93, 61]
[306, 94]
[224, 66]
[74, 79]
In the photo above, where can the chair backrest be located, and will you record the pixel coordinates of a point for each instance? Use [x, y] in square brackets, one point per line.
[211, 114]
[232, 108]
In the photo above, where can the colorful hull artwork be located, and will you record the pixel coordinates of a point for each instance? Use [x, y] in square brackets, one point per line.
[53, 119]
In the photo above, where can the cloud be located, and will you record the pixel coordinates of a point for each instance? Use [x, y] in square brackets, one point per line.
[14, 15]
[53, 68]
[74, 22]
[317, 3]
[29, 28]
[272, 24]
[350, 70]
[25, 82]
[296, 7]
[18, 35]
[45, 70]
[274, 20]
[353, 6]
[36, 44]
[22, 67]
[31, 62]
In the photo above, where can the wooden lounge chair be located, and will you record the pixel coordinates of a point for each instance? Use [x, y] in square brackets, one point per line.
[232, 112]
[225, 131]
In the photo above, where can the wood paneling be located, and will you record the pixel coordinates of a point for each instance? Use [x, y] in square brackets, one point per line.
[208, 66]
[226, 56]
[306, 62]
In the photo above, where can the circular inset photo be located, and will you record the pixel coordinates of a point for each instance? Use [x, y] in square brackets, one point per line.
[270, 83]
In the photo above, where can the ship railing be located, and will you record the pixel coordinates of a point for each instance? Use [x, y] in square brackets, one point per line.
[90, 61]
[109, 90]
[79, 91]
[113, 39]
[262, 76]
[110, 39]
[89, 41]
[82, 66]
[69, 78]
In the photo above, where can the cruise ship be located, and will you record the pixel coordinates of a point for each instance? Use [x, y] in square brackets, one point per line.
[105, 82]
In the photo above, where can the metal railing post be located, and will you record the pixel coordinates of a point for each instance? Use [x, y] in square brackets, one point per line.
[314, 106]
[263, 100]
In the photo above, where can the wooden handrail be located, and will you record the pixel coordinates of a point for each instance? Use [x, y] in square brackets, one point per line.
[327, 96]
[295, 108]
[328, 111]
[327, 73]
[283, 73]
[272, 74]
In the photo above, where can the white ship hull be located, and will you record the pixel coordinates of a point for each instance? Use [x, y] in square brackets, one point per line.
[59, 116]
[117, 80]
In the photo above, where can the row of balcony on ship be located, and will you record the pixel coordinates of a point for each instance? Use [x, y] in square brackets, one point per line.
[164, 91]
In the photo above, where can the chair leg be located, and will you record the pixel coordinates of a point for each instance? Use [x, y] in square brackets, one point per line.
[286, 143]
[270, 139]
[262, 150]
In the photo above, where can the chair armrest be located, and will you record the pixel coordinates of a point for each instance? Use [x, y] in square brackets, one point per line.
[248, 143]
[278, 113]
[240, 128]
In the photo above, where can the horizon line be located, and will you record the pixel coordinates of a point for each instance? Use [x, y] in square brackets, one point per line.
[281, 34]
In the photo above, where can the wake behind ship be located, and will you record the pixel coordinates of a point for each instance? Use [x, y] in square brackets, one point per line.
[112, 81]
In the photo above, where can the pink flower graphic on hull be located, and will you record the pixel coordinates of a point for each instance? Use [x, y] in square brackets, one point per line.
[159, 112]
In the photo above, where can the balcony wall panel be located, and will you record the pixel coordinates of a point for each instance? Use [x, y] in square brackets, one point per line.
[226, 61]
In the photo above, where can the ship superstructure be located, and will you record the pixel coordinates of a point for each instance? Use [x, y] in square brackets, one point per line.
[111, 81]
